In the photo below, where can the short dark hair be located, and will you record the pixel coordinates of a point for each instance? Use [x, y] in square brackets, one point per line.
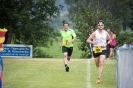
[65, 23]
[100, 21]
[112, 31]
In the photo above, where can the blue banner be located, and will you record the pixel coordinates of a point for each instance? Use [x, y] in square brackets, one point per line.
[1, 72]
[11, 50]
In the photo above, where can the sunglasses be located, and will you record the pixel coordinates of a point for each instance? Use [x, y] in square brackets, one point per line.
[100, 25]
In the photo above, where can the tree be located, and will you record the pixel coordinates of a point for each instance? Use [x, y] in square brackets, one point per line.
[122, 10]
[27, 21]
[85, 15]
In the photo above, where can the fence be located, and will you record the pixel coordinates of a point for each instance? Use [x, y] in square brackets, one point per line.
[125, 66]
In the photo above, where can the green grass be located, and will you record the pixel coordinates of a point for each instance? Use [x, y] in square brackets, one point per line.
[50, 73]
[56, 52]
[108, 77]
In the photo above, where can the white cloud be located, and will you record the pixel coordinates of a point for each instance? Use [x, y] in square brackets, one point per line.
[65, 13]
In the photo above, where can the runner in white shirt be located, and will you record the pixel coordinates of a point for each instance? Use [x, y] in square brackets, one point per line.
[99, 40]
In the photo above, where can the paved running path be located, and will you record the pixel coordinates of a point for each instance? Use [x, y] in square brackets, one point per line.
[88, 74]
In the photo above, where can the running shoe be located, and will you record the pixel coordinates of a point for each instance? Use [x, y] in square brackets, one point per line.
[98, 81]
[67, 69]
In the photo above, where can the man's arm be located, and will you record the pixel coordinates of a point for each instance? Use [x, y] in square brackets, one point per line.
[70, 41]
[60, 44]
[109, 39]
[89, 40]
[74, 38]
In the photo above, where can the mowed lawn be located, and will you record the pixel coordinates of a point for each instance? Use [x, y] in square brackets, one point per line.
[56, 52]
[108, 77]
[50, 73]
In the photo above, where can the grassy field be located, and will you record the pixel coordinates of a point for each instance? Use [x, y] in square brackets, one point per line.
[56, 52]
[50, 73]
[108, 77]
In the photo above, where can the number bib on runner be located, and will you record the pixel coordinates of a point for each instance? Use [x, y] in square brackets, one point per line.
[97, 49]
[65, 42]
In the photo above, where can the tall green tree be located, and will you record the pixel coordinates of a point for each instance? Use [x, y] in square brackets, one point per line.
[27, 21]
[85, 15]
[123, 10]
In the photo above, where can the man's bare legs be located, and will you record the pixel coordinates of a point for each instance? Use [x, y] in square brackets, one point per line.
[65, 57]
[65, 61]
[68, 58]
[99, 61]
[92, 57]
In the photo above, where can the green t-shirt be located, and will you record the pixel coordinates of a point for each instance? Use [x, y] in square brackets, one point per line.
[66, 36]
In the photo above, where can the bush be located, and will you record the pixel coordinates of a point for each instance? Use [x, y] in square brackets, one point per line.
[125, 37]
[38, 52]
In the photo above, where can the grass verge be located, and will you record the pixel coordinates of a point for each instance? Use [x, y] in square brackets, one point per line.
[50, 73]
[108, 77]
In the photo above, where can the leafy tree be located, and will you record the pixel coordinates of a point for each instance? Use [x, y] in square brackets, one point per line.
[125, 37]
[27, 21]
[122, 10]
[85, 15]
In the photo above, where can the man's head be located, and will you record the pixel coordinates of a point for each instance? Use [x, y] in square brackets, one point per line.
[100, 24]
[66, 25]
[92, 30]
[108, 30]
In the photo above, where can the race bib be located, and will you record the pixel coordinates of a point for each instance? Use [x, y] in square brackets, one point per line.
[97, 49]
[65, 42]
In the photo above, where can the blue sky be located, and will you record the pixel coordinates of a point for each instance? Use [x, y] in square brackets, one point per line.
[57, 23]
[61, 2]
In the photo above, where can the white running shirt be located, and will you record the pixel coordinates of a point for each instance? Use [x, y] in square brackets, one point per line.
[100, 38]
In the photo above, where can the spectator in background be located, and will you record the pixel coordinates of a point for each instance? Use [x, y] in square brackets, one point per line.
[108, 46]
[108, 30]
[91, 45]
[112, 44]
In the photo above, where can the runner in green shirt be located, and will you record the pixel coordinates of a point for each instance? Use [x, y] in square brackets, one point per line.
[68, 36]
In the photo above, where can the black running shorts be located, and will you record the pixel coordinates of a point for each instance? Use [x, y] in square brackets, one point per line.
[98, 54]
[111, 46]
[69, 50]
